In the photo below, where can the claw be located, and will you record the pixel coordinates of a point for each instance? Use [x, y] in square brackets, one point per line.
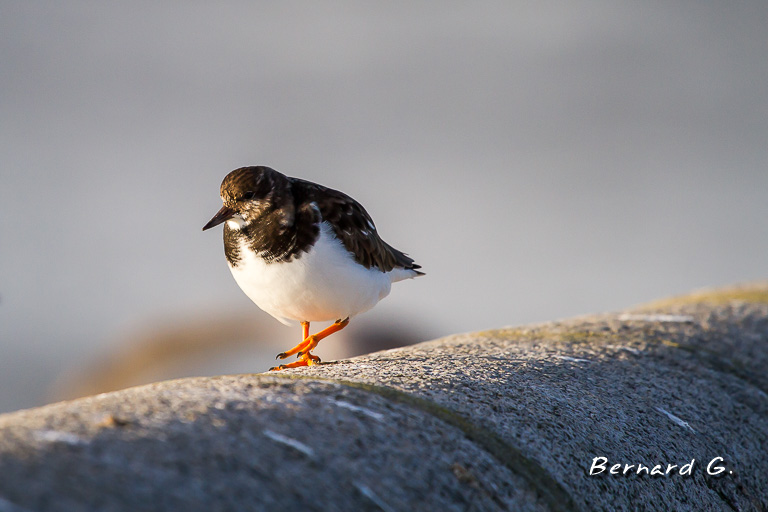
[303, 350]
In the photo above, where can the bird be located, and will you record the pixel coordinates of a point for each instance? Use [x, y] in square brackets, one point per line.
[303, 252]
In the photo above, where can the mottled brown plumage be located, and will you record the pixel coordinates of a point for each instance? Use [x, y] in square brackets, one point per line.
[284, 214]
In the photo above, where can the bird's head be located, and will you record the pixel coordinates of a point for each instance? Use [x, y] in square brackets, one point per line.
[247, 193]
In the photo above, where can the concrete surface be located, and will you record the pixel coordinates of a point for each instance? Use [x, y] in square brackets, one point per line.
[508, 419]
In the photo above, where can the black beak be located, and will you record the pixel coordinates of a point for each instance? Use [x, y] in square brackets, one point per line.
[222, 215]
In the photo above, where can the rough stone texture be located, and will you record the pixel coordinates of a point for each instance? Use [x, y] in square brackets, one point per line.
[509, 419]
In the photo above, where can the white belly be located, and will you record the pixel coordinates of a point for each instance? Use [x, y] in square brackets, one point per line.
[322, 285]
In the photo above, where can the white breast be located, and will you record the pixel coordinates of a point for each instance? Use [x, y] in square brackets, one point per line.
[322, 285]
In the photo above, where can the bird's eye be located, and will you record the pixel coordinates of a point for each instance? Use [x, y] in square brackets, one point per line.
[248, 195]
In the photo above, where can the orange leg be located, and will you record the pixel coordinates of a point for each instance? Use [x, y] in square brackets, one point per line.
[310, 342]
[305, 329]
[304, 342]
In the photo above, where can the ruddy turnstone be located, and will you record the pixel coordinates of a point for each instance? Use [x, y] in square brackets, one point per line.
[304, 253]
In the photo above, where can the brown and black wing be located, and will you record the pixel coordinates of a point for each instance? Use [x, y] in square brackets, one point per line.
[352, 225]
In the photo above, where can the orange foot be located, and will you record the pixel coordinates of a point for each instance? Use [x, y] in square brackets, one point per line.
[302, 350]
[305, 360]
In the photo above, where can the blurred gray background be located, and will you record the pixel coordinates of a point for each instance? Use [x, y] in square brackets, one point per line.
[539, 159]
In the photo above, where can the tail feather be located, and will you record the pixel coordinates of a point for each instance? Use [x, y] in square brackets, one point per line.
[404, 261]
[399, 274]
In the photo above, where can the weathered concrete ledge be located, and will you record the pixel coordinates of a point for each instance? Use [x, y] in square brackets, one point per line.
[509, 419]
